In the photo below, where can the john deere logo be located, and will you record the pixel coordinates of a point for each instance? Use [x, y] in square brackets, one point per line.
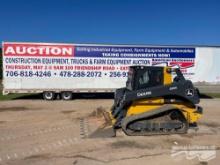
[190, 92]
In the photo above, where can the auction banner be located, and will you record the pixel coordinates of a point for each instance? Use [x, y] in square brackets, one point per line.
[49, 65]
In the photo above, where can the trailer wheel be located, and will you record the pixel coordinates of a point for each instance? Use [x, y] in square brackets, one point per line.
[48, 95]
[66, 95]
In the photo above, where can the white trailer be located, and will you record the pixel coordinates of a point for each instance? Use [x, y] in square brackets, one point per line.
[51, 68]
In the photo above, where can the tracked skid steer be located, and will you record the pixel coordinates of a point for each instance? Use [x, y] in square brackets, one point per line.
[155, 103]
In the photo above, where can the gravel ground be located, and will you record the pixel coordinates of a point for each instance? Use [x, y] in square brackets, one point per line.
[58, 132]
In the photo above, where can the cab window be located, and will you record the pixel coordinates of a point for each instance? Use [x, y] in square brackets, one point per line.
[149, 78]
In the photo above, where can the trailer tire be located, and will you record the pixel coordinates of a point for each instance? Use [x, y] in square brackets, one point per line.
[48, 95]
[67, 95]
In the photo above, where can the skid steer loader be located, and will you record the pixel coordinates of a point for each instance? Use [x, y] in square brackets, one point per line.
[153, 103]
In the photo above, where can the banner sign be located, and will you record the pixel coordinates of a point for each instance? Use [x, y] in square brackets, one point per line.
[107, 65]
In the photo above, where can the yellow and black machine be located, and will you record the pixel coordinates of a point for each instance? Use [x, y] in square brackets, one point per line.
[153, 103]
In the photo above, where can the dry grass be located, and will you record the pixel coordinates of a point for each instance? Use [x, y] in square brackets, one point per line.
[68, 112]
[98, 112]
[211, 124]
[3, 109]
[131, 144]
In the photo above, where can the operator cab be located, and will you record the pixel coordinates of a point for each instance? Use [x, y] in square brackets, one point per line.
[141, 77]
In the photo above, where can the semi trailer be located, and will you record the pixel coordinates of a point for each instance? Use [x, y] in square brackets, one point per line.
[66, 68]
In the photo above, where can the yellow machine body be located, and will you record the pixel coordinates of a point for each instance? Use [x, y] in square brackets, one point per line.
[142, 106]
[146, 105]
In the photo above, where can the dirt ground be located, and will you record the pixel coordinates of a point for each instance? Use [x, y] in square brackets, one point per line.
[40, 132]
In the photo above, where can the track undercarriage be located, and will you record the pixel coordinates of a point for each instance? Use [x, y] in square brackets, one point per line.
[168, 122]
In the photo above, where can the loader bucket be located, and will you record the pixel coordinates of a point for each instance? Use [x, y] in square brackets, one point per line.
[105, 132]
[101, 124]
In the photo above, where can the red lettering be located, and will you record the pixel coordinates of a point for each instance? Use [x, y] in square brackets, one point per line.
[20, 49]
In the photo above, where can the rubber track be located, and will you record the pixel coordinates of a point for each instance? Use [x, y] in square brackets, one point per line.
[162, 109]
